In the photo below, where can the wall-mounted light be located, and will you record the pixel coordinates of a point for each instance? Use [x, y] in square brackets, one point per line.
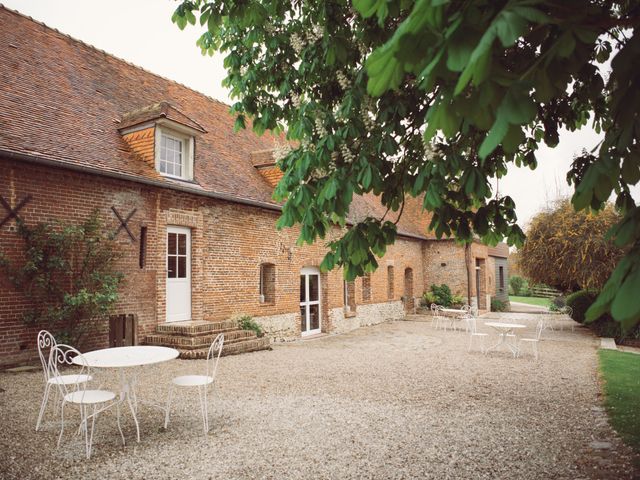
[443, 264]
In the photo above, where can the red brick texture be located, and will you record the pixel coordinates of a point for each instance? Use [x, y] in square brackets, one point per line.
[67, 105]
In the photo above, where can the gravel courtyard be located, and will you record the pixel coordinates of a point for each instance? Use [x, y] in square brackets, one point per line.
[397, 400]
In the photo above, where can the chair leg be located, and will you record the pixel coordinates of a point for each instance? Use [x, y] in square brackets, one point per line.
[206, 412]
[61, 423]
[89, 441]
[45, 399]
[168, 408]
[202, 410]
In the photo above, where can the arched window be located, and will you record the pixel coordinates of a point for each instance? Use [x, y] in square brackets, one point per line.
[267, 283]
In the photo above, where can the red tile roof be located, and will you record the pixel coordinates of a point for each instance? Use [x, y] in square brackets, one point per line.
[64, 101]
[155, 112]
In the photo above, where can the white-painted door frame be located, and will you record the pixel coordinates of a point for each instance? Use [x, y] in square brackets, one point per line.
[305, 306]
[178, 289]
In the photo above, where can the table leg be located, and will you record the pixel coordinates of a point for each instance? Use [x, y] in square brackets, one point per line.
[503, 339]
[127, 387]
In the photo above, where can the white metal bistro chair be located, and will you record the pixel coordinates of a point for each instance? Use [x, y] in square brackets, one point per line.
[441, 319]
[202, 382]
[90, 402]
[46, 343]
[473, 332]
[434, 315]
[533, 341]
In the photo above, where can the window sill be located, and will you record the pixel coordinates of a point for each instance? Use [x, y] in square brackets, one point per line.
[178, 179]
[350, 314]
[267, 304]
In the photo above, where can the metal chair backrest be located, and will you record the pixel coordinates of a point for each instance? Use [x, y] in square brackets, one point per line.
[63, 355]
[215, 350]
[567, 310]
[466, 308]
[434, 307]
[46, 342]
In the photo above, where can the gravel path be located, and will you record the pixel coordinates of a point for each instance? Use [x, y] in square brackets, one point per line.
[398, 400]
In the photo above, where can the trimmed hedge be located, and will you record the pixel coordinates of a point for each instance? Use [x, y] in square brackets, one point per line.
[580, 302]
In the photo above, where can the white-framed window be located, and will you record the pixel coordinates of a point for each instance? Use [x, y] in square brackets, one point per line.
[174, 154]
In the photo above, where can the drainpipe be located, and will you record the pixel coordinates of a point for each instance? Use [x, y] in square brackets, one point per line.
[467, 262]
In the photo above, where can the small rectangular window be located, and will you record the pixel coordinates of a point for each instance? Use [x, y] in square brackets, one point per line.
[142, 260]
[268, 283]
[501, 277]
[171, 155]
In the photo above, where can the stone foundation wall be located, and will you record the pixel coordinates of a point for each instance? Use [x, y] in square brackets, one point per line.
[280, 328]
[367, 314]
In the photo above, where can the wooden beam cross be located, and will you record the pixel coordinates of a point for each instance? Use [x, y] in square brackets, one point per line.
[13, 211]
[123, 223]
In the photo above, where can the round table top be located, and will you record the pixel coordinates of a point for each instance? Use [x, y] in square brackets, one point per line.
[504, 325]
[121, 357]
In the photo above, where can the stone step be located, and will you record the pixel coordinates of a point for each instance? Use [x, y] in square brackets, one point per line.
[245, 346]
[200, 341]
[195, 328]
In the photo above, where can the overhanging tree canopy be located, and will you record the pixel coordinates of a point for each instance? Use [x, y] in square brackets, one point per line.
[432, 98]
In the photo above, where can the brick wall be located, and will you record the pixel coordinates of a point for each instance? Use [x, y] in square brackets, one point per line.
[229, 242]
[444, 262]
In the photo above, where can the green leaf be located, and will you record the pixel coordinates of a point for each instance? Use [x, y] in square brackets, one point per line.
[517, 108]
[631, 168]
[494, 137]
[509, 27]
[459, 52]
[625, 307]
[385, 71]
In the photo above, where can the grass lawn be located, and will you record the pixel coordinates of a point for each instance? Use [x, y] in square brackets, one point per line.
[542, 302]
[621, 372]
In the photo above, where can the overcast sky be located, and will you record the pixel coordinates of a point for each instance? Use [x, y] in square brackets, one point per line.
[141, 32]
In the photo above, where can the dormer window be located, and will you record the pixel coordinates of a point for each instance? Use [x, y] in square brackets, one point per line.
[174, 153]
[164, 138]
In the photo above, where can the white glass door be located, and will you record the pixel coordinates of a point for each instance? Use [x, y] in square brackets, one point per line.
[309, 301]
[178, 274]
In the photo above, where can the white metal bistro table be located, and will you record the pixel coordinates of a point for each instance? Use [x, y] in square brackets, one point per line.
[124, 359]
[455, 314]
[504, 329]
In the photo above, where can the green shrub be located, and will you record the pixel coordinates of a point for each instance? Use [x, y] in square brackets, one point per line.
[605, 326]
[580, 302]
[519, 286]
[442, 295]
[246, 322]
[498, 305]
[428, 298]
[457, 300]
[557, 303]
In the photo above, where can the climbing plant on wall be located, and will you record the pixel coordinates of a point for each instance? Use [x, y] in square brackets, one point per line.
[67, 274]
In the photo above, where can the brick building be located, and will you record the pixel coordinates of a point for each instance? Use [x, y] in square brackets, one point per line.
[82, 130]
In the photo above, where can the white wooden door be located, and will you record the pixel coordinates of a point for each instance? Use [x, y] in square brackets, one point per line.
[178, 274]
[310, 301]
